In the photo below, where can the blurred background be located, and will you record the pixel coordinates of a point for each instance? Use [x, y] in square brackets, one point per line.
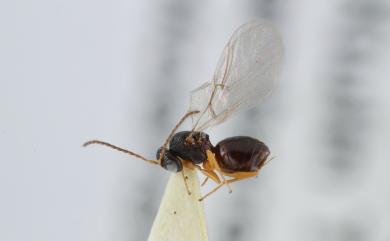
[121, 71]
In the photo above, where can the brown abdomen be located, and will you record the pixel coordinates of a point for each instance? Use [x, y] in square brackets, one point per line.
[241, 154]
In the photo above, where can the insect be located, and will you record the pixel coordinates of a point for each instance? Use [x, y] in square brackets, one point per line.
[245, 74]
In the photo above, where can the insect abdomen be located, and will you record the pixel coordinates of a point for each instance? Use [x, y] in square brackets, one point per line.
[241, 154]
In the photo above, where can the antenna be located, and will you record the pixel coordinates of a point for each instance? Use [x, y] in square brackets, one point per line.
[120, 149]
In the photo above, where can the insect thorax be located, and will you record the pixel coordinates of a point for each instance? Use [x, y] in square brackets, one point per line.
[185, 145]
[190, 146]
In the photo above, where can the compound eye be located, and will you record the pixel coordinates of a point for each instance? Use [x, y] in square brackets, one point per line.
[170, 162]
[171, 166]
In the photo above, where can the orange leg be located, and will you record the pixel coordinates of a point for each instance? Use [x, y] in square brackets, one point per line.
[214, 164]
[237, 177]
[210, 174]
[207, 172]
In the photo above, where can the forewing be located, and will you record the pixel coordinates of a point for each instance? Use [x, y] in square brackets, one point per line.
[245, 74]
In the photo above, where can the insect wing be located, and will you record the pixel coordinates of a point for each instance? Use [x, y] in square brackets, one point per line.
[245, 74]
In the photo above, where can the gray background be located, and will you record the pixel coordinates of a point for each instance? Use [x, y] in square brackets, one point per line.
[121, 71]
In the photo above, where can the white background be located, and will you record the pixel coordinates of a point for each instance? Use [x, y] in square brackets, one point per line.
[121, 71]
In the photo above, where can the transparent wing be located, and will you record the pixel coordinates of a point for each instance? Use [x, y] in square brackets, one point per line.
[245, 74]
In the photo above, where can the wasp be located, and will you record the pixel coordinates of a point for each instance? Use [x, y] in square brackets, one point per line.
[245, 74]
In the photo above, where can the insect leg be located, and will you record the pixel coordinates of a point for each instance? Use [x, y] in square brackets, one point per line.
[210, 174]
[214, 163]
[185, 182]
[211, 192]
[204, 181]
[236, 179]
